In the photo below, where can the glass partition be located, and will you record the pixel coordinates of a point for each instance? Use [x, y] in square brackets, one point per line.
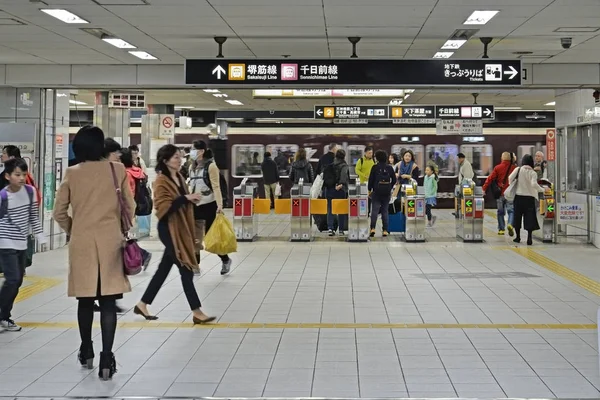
[444, 156]
[480, 156]
[418, 149]
[283, 155]
[246, 160]
[353, 154]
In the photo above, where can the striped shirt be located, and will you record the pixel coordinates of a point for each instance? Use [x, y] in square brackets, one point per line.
[20, 221]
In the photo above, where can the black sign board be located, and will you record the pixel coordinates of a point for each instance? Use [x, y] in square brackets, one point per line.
[331, 72]
[351, 112]
[464, 112]
[421, 112]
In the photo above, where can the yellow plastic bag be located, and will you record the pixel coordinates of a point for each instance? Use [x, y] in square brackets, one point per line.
[220, 238]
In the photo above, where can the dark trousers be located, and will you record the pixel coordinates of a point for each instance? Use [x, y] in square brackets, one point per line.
[525, 214]
[208, 213]
[380, 205]
[342, 218]
[13, 264]
[428, 211]
[161, 274]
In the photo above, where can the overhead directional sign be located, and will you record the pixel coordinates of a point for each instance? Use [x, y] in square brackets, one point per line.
[352, 112]
[459, 127]
[465, 112]
[412, 112]
[335, 73]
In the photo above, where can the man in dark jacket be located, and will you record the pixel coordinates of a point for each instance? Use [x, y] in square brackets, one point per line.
[500, 176]
[381, 181]
[338, 189]
[270, 177]
[327, 158]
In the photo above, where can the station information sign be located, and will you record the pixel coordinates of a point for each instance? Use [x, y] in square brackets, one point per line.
[352, 112]
[464, 112]
[331, 72]
[417, 111]
[414, 113]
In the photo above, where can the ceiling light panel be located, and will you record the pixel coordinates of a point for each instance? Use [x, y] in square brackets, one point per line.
[64, 15]
[443, 54]
[552, 103]
[234, 102]
[453, 44]
[77, 102]
[480, 17]
[143, 55]
[119, 43]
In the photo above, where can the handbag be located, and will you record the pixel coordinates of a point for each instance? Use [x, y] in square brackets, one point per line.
[495, 188]
[511, 190]
[132, 253]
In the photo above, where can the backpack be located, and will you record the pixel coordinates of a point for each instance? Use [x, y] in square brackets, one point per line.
[301, 173]
[222, 183]
[383, 182]
[330, 176]
[143, 197]
[4, 198]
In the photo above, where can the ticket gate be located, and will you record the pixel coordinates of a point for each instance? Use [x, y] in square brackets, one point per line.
[358, 213]
[546, 214]
[469, 208]
[414, 211]
[300, 220]
[245, 221]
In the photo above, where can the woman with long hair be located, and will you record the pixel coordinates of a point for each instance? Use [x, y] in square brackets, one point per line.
[527, 191]
[301, 168]
[175, 215]
[94, 227]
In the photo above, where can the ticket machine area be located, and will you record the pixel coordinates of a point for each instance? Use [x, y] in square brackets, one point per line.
[414, 211]
[469, 209]
[546, 213]
[358, 215]
[245, 220]
[300, 219]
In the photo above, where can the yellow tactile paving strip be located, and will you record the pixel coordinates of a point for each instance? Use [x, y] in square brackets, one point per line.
[37, 285]
[171, 325]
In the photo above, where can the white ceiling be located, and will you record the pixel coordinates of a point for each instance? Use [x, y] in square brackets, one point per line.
[528, 99]
[174, 30]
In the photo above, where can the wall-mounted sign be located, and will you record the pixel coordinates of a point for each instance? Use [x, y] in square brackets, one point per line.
[127, 100]
[166, 127]
[408, 112]
[568, 213]
[465, 112]
[351, 112]
[426, 112]
[252, 72]
[414, 121]
[459, 127]
[551, 144]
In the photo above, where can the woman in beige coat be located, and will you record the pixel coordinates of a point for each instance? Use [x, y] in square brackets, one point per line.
[95, 249]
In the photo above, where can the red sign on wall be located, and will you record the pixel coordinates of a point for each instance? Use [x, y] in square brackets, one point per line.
[551, 144]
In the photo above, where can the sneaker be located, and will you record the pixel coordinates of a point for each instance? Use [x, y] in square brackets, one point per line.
[385, 234]
[501, 232]
[9, 325]
[372, 233]
[226, 267]
[341, 233]
[433, 219]
[146, 260]
[429, 225]
[511, 230]
[331, 232]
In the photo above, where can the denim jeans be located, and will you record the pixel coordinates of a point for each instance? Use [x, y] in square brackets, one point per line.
[13, 264]
[505, 206]
[380, 205]
[342, 218]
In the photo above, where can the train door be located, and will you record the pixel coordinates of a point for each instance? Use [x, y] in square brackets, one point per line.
[417, 149]
[481, 158]
[353, 154]
[444, 156]
[246, 160]
[283, 155]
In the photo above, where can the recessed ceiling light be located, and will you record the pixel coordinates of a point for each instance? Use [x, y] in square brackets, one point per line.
[211, 90]
[552, 103]
[443, 54]
[184, 107]
[480, 17]
[77, 102]
[64, 15]
[234, 102]
[508, 108]
[219, 95]
[454, 44]
[143, 55]
[120, 43]
[585, 29]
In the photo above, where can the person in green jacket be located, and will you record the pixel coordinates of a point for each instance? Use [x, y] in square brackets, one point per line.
[364, 165]
[431, 187]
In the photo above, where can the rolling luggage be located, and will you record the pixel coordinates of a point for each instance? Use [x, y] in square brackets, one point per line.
[397, 222]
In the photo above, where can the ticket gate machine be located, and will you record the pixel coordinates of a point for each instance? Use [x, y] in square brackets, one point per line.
[414, 211]
[469, 208]
[245, 222]
[358, 213]
[300, 221]
[546, 214]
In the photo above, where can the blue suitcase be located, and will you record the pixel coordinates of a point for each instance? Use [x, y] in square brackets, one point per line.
[397, 222]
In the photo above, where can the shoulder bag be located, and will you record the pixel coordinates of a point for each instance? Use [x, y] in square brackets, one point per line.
[511, 190]
[132, 253]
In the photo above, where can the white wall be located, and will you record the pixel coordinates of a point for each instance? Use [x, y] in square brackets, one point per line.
[570, 104]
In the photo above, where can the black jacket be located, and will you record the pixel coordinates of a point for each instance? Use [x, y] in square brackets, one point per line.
[301, 168]
[269, 171]
[324, 161]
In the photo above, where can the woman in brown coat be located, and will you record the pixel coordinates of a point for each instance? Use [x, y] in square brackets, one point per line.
[95, 248]
[176, 231]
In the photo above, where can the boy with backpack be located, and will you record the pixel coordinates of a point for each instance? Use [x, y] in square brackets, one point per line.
[381, 182]
[18, 221]
[336, 178]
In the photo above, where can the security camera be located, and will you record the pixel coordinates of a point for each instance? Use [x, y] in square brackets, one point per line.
[566, 42]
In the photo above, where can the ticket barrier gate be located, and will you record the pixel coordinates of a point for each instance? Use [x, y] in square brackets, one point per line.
[469, 209]
[300, 220]
[414, 211]
[245, 221]
[358, 213]
[546, 214]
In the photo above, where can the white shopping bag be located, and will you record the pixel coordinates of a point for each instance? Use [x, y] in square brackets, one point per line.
[317, 187]
[278, 190]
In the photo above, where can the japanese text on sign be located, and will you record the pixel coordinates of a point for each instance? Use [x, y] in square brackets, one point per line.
[571, 213]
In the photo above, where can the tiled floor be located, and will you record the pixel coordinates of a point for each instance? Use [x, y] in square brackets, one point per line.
[438, 319]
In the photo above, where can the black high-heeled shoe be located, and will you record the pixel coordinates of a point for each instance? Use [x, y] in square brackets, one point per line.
[137, 311]
[86, 355]
[108, 366]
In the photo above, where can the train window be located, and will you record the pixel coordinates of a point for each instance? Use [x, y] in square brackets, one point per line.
[480, 156]
[418, 149]
[575, 159]
[353, 154]
[444, 156]
[283, 155]
[246, 160]
[530, 149]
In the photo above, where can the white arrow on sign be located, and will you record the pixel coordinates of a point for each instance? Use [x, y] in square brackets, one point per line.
[488, 112]
[513, 72]
[319, 112]
[219, 71]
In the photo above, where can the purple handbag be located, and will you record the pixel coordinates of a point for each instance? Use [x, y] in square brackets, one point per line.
[132, 253]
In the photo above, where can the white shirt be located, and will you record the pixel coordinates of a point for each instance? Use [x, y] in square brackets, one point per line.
[465, 171]
[527, 183]
[21, 220]
[197, 185]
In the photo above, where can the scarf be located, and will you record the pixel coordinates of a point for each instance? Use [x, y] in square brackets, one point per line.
[406, 169]
[181, 222]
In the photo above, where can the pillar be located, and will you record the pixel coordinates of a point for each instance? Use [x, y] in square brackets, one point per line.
[113, 121]
[158, 129]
